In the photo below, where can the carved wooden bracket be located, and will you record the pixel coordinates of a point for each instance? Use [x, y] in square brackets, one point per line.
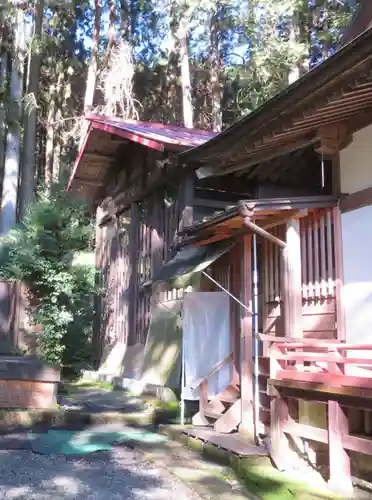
[246, 210]
[333, 138]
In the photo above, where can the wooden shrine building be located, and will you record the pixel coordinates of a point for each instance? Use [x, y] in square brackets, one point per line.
[282, 200]
[300, 265]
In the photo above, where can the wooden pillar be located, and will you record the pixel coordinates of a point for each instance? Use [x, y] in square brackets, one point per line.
[338, 425]
[157, 242]
[246, 350]
[291, 295]
[156, 232]
[339, 275]
[133, 279]
[235, 289]
[98, 254]
[292, 258]
[186, 190]
[339, 460]
[278, 413]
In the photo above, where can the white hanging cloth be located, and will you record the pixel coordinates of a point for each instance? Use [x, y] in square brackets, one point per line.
[206, 341]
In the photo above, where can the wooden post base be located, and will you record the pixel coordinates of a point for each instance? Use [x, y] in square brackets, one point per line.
[339, 460]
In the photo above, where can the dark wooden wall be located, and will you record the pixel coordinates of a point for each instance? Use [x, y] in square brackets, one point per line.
[130, 249]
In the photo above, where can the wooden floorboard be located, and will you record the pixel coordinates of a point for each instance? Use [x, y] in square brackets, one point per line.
[231, 442]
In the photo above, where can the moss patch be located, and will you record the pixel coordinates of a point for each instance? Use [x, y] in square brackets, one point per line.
[269, 484]
[165, 413]
[256, 473]
[217, 454]
[80, 384]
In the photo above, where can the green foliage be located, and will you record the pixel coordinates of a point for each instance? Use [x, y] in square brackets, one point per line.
[40, 253]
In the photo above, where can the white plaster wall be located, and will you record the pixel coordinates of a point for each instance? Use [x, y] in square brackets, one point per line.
[356, 163]
[357, 256]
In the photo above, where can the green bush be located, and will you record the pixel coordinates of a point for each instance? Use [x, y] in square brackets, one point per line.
[40, 252]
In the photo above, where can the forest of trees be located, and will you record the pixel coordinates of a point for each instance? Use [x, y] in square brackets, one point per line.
[200, 63]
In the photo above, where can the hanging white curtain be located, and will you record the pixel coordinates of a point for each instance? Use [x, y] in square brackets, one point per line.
[206, 341]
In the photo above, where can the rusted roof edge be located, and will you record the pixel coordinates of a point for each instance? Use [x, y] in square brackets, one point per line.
[275, 204]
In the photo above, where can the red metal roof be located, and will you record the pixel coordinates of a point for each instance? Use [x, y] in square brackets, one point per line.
[153, 135]
[97, 143]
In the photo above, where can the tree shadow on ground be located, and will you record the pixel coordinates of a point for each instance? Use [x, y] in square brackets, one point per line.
[221, 481]
[101, 475]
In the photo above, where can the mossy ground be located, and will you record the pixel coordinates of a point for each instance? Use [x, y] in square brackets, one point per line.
[268, 483]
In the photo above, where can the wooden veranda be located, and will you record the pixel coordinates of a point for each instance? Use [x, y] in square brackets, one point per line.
[288, 343]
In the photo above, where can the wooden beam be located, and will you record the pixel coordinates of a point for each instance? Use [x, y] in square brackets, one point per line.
[279, 413]
[133, 277]
[339, 460]
[306, 431]
[156, 232]
[99, 249]
[354, 443]
[89, 182]
[283, 217]
[246, 328]
[312, 342]
[356, 397]
[139, 189]
[235, 262]
[284, 292]
[265, 234]
[362, 91]
[356, 200]
[98, 157]
[215, 203]
[126, 134]
[187, 199]
[322, 380]
[253, 158]
[228, 184]
[339, 277]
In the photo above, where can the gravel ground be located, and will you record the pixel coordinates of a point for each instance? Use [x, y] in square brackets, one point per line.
[121, 474]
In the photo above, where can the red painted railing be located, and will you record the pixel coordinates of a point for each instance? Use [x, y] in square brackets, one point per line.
[322, 371]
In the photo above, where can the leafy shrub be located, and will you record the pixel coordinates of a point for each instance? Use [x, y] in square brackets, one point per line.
[40, 252]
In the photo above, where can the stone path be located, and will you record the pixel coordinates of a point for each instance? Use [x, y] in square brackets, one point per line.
[208, 479]
[120, 474]
[140, 471]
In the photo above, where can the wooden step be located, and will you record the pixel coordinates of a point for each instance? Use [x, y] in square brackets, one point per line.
[229, 395]
[264, 414]
[264, 365]
[230, 420]
[264, 398]
[234, 443]
[212, 413]
[216, 405]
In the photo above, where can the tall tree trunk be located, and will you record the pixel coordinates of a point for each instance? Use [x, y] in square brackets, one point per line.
[93, 65]
[3, 89]
[8, 216]
[294, 35]
[188, 112]
[133, 20]
[112, 32]
[125, 19]
[56, 171]
[214, 72]
[28, 181]
[49, 145]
